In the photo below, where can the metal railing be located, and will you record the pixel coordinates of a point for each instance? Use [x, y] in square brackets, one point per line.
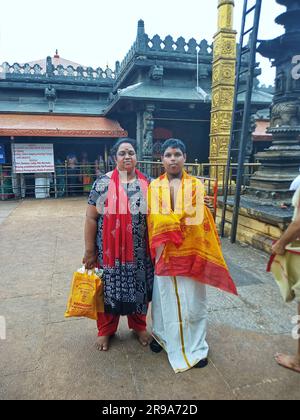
[64, 182]
[6, 180]
[78, 180]
[218, 171]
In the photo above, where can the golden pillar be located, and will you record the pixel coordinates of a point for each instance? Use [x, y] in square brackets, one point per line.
[223, 84]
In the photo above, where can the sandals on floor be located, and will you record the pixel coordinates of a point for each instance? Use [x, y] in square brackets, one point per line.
[155, 347]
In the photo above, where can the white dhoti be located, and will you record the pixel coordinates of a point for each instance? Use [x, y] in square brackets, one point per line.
[179, 319]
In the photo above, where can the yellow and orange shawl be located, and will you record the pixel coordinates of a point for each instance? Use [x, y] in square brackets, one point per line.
[191, 245]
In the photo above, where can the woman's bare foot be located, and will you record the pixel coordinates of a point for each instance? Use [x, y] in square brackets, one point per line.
[288, 362]
[102, 343]
[144, 338]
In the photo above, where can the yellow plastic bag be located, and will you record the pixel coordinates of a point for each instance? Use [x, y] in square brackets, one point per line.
[86, 296]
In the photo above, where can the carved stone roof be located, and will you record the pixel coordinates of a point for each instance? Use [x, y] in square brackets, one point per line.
[148, 92]
[145, 90]
[167, 49]
[52, 69]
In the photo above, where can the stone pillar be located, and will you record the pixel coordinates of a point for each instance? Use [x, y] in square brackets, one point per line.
[139, 134]
[148, 127]
[223, 84]
[281, 162]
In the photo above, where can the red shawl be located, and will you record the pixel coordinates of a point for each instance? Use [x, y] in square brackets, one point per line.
[117, 223]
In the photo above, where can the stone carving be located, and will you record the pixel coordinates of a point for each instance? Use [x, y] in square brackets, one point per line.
[108, 73]
[148, 132]
[60, 70]
[192, 46]
[90, 73]
[49, 66]
[249, 146]
[220, 122]
[285, 114]
[70, 71]
[224, 73]
[203, 47]
[216, 99]
[27, 69]
[17, 68]
[156, 43]
[50, 94]
[225, 45]
[280, 83]
[168, 46]
[181, 45]
[213, 147]
[156, 72]
[157, 147]
[223, 150]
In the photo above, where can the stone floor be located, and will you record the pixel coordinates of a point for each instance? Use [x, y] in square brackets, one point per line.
[46, 356]
[6, 208]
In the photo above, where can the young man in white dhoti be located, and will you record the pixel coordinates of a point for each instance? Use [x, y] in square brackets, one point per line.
[186, 248]
[286, 268]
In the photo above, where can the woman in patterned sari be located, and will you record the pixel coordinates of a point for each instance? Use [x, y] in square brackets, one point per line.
[116, 239]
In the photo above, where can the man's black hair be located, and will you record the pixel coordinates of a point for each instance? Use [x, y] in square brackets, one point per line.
[174, 144]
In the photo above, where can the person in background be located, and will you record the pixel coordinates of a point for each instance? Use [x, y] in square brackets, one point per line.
[86, 172]
[99, 166]
[60, 173]
[295, 184]
[73, 174]
[279, 248]
[111, 162]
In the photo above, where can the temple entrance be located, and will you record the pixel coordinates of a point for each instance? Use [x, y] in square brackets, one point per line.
[194, 134]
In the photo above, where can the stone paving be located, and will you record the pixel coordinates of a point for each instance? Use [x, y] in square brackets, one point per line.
[6, 208]
[46, 356]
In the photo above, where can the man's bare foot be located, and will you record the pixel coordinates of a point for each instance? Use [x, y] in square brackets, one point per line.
[288, 362]
[144, 338]
[102, 343]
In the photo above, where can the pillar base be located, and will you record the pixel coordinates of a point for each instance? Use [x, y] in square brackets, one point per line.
[260, 222]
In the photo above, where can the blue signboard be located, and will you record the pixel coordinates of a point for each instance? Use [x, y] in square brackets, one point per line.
[2, 154]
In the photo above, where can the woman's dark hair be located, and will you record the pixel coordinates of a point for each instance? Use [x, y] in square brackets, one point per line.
[115, 148]
[174, 144]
